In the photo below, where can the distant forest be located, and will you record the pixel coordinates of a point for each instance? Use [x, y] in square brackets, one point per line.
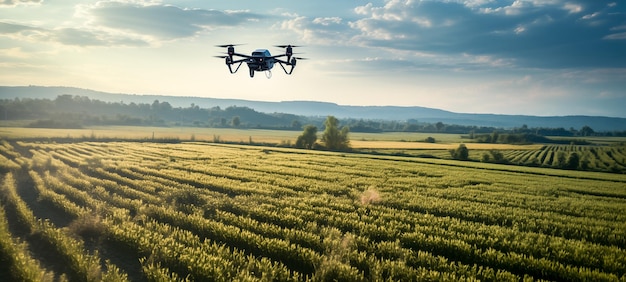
[67, 111]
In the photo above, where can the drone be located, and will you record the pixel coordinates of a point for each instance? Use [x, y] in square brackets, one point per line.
[260, 60]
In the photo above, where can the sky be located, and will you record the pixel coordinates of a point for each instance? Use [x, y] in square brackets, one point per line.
[529, 57]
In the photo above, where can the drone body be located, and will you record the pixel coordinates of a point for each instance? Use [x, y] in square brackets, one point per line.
[261, 60]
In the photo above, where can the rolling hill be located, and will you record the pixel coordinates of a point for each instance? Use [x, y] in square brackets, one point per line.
[312, 108]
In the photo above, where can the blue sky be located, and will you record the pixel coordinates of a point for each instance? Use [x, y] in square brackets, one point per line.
[548, 57]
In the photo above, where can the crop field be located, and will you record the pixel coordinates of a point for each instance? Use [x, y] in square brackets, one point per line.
[8, 130]
[137, 211]
[601, 158]
[154, 133]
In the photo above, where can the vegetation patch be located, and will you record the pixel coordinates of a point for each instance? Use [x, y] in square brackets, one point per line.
[370, 196]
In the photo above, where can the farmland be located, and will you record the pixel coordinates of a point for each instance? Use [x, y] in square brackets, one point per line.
[602, 154]
[89, 211]
[231, 135]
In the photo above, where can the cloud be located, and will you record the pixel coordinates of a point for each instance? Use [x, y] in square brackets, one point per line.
[23, 32]
[543, 34]
[163, 22]
[66, 36]
[327, 21]
[84, 38]
[109, 23]
[616, 36]
[9, 28]
[18, 2]
[417, 64]
[319, 31]
[15, 52]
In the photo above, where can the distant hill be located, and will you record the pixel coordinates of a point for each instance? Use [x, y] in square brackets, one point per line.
[311, 108]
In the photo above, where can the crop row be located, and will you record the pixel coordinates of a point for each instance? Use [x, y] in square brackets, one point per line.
[208, 212]
[79, 264]
[580, 157]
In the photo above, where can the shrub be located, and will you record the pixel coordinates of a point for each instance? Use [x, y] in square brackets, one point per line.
[486, 158]
[460, 153]
[498, 157]
[88, 226]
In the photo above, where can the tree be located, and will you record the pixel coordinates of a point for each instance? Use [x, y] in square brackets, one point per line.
[573, 161]
[497, 157]
[586, 131]
[296, 124]
[460, 153]
[308, 137]
[494, 137]
[410, 127]
[236, 121]
[333, 137]
[440, 126]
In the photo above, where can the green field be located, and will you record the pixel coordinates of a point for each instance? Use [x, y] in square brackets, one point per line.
[607, 154]
[90, 211]
[208, 134]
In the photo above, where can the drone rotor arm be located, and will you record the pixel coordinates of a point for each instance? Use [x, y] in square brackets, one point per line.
[242, 55]
[234, 55]
[239, 61]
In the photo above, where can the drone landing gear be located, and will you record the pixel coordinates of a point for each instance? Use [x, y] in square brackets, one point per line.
[290, 70]
[268, 73]
[229, 64]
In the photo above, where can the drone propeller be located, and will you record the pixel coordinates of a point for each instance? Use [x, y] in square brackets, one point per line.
[285, 46]
[228, 45]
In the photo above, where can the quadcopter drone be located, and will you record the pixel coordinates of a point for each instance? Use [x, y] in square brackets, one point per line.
[260, 60]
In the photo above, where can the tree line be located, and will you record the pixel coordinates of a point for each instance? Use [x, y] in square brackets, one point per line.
[67, 111]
